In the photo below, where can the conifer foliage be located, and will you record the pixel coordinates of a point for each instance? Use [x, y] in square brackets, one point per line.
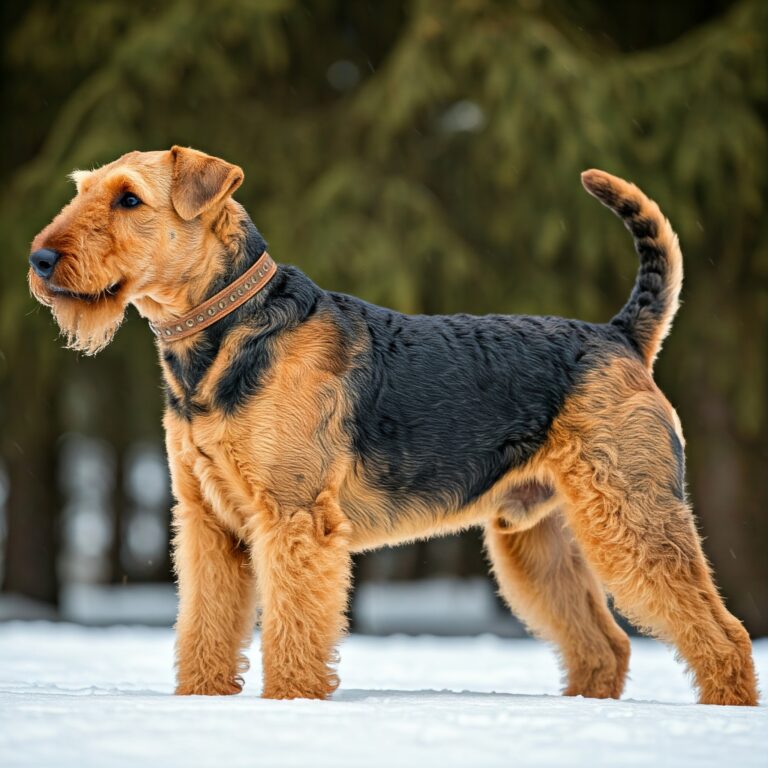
[424, 155]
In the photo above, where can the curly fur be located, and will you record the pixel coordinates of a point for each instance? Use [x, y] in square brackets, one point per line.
[307, 425]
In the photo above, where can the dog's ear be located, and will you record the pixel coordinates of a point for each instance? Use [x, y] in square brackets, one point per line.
[199, 182]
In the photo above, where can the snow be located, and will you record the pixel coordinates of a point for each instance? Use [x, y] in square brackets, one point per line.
[72, 696]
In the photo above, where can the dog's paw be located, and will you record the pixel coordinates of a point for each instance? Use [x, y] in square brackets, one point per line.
[228, 687]
[283, 689]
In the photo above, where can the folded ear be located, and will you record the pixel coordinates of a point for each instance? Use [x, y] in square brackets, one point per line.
[199, 182]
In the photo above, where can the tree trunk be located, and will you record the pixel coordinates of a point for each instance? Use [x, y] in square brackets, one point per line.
[728, 485]
[32, 514]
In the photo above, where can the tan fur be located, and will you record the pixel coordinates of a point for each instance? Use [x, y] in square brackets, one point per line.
[160, 260]
[303, 563]
[217, 589]
[546, 581]
[612, 458]
[272, 499]
[285, 507]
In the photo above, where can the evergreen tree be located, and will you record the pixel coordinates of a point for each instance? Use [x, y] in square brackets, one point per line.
[423, 155]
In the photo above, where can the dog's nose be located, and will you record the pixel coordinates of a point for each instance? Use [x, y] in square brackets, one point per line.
[43, 261]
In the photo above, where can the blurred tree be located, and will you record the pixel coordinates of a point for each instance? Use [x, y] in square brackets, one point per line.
[423, 155]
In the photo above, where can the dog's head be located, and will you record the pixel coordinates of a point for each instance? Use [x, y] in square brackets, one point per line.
[144, 229]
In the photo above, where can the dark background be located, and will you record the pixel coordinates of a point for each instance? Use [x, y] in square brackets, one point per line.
[424, 155]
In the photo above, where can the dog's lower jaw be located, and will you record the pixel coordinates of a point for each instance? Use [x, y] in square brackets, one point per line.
[87, 326]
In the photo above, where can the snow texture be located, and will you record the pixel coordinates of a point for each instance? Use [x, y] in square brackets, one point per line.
[71, 696]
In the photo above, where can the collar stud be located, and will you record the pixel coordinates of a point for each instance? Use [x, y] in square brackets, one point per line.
[220, 305]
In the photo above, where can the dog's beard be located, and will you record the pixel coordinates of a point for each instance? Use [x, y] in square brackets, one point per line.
[88, 328]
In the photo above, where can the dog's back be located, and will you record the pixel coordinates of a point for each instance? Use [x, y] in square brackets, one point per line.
[444, 406]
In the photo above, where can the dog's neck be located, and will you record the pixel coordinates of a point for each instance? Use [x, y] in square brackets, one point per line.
[236, 252]
[243, 245]
[223, 303]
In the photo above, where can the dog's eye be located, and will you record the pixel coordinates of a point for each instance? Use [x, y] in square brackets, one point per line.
[128, 200]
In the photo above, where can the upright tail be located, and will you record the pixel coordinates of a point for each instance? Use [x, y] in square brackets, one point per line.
[647, 317]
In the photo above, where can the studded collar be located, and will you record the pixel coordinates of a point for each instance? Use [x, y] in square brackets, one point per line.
[225, 301]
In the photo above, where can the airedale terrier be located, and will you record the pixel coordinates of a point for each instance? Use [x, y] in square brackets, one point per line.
[303, 425]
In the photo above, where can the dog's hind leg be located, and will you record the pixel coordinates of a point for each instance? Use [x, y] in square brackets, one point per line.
[619, 454]
[303, 566]
[546, 581]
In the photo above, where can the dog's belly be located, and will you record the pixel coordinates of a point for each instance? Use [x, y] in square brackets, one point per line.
[516, 502]
[231, 482]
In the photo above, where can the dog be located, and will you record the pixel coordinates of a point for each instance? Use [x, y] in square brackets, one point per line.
[303, 425]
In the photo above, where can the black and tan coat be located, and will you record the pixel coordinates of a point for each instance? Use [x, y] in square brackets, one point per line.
[308, 424]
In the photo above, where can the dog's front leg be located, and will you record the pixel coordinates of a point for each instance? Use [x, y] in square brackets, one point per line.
[216, 597]
[303, 567]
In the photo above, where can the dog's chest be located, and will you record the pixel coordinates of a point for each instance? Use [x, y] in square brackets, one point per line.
[274, 445]
[210, 452]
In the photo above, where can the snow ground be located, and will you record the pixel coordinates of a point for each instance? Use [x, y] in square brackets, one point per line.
[71, 696]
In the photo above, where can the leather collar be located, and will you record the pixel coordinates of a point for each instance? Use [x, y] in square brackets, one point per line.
[225, 301]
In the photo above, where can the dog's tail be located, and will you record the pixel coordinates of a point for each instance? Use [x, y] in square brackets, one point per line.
[647, 317]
